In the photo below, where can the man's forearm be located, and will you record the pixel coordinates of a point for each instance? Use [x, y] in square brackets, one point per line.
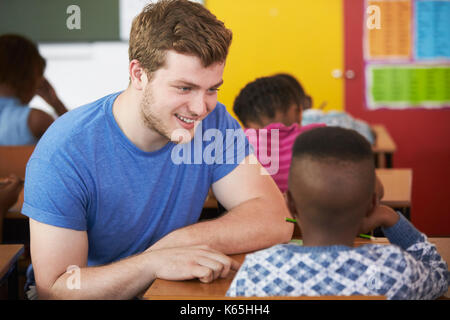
[253, 225]
[124, 279]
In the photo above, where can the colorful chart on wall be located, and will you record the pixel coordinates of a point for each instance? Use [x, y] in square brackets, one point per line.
[407, 53]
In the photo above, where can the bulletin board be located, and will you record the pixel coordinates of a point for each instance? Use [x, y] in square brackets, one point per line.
[407, 53]
[47, 21]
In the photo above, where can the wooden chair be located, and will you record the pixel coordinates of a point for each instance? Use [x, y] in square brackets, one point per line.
[13, 159]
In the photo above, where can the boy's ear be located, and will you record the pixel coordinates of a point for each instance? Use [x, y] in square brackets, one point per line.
[291, 204]
[373, 204]
[377, 195]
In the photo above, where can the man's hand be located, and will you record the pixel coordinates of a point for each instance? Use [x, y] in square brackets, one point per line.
[10, 188]
[192, 262]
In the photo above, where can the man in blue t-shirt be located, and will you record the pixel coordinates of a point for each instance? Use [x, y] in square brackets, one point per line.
[115, 188]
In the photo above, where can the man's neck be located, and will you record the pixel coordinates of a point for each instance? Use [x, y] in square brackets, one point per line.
[126, 111]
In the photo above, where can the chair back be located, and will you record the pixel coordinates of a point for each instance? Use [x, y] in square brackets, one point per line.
[13, 159]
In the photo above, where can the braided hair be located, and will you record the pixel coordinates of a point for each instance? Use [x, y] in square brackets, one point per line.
[263, 98]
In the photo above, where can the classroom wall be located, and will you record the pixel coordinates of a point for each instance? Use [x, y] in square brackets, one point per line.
[269, 36]
[84, 72]
[422, 135]
[304, 38]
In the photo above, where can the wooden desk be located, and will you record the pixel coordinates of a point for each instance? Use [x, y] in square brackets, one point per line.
[194, 289]
[397, 187]
[9, 254]
[384, 146]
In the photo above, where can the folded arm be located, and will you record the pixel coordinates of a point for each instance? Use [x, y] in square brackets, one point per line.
[255, 218]
[61, 272]
[427, 271]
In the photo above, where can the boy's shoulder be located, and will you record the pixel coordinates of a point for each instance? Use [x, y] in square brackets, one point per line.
[370, 253]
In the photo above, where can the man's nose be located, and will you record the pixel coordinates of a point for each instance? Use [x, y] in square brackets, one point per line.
[199, 105]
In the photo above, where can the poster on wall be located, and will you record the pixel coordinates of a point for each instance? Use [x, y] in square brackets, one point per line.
[408, 86]
[407, 54]
[432, 30]
[393, 40]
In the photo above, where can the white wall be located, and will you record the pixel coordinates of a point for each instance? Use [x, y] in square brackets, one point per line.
[84, 72]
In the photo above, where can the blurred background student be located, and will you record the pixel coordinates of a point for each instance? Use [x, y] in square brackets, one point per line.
[21, 78]
[332, 118]
[267, 104]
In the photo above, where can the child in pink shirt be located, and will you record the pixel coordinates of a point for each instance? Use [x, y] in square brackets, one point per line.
[270, 110]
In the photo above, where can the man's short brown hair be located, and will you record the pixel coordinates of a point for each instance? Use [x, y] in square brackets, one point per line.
[180, 25]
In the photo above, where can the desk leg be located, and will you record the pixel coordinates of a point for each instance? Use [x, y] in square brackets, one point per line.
[388, 159]
[407, 213]
[380, 160]
[13, 284]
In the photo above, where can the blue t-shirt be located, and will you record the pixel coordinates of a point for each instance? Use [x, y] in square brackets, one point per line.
[85, 174]
[14, 128]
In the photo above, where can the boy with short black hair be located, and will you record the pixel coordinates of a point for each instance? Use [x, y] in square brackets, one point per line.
[331, 194]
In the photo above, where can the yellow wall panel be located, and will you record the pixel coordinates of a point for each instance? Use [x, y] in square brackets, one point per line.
[302, 37]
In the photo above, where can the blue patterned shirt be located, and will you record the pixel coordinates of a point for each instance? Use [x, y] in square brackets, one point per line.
[409, 268]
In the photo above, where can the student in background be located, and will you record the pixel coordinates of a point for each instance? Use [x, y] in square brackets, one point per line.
[270, 110]
[10, 188]
[333, 194]
[21, 78]
[331, 118]
[304, 100]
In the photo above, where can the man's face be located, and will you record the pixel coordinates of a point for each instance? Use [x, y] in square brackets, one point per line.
[180, 95]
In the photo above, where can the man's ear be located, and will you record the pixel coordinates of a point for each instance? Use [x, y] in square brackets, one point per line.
[138, 76]
[291, 204]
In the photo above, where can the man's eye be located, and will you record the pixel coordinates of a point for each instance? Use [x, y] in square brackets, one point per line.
[213, 90]
[184, 89]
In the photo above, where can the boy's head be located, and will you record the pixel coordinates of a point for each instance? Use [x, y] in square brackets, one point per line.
[180, 25]
[267, 100]
[331, 181]
[21, 66]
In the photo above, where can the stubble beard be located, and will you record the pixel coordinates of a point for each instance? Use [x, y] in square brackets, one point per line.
[150, 118]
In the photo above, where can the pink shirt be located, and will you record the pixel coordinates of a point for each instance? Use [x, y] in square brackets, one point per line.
[273, 148]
